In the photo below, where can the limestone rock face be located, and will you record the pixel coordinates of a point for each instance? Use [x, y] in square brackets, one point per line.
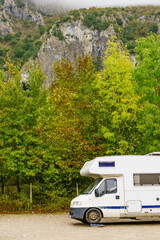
[78, 41]
[23, 12]
[10, 8]
[5, 23]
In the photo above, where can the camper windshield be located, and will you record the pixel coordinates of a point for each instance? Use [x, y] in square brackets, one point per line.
[92, 186]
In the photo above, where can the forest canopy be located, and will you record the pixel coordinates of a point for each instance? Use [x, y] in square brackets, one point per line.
[46, 135]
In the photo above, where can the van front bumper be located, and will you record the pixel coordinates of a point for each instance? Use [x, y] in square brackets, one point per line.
[77, 213]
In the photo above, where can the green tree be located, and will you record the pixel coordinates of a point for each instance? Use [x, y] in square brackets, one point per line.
[147, 77]
[117, 102]
[70, 130]
[23, 154]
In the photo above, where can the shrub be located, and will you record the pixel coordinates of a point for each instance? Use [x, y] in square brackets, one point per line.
[153, 28]
[41, 29]
[27, 46]
[101, 13]
[4, 19]
[58, 33]
[18, 35]
[18, 52]
[107, 13]
[66, 19]
[90, 20]
[8, 37]
[48, 29]
[39, 44]
[29, 36]
[119, 21]
[13, 42]
[130, 18]
[20, 3]
[105, 25]
[26, 56]
[75, 13]
[2, 62]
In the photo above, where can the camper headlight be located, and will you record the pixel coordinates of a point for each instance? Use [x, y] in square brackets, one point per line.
[76, 203]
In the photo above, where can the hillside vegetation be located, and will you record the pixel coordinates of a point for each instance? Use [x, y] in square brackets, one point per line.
[129, 24]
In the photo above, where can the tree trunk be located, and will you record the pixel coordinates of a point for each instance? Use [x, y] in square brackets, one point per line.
[18, 185]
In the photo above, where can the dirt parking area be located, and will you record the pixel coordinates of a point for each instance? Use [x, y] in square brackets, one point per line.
[61, 227]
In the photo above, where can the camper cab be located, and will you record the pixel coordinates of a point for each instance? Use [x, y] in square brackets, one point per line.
[124, 187]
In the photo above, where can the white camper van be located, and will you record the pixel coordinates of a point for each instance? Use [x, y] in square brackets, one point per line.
[124, 187]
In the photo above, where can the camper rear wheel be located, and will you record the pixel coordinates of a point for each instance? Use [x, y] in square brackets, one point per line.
[93, 215]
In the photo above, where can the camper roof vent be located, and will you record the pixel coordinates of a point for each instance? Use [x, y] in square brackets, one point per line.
[154, 154]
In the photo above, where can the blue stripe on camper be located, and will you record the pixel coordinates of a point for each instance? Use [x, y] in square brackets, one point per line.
[124, 207]
[113, 207]
[151, 206]
[106, 164]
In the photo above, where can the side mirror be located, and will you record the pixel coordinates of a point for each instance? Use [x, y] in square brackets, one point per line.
[96, 193]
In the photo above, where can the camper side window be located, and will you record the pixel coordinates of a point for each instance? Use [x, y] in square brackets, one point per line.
[111, 186]
[146, 179]
[101, 189]
[107, 187]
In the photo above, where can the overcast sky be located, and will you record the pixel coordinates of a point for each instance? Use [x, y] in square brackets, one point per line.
[101, 3]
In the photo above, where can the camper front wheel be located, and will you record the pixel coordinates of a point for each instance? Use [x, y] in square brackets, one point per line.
[93, 215]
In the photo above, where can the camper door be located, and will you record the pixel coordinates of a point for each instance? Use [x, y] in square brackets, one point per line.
[109, 197]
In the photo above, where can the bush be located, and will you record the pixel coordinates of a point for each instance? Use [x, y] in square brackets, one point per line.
[154, 28]
[1, 52]
[29, 36]
[58, 33]
[27, 46]
[18, 205]
[8, 37]
[13, 42]
[18, 35]
[107, 13]
[66, 19]
[18, 52]
[41, 29]
[130, 18]
[39, 44]
[20, 4]
[48, 29]
[27, 55]
[89, 20]
[4, 19]
[1, 1]
[2, 62]
[105, 25]
[75, 13]
[119, 21]
[101, 13]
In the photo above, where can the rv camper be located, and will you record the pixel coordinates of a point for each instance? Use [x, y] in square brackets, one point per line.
[124, 187]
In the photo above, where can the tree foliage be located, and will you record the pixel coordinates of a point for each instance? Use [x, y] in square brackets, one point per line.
[46, 135]
[21, 150]
[117, 102]
[147, 77]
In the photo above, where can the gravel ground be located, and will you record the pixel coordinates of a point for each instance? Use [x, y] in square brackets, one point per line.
[61, 227]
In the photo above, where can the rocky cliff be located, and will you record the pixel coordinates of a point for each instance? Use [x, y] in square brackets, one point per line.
[18, 9]
[78, 40]
[70, 39]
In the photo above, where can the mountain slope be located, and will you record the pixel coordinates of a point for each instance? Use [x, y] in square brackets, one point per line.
[25, 34]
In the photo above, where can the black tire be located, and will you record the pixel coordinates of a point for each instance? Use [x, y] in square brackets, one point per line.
[93, 215]
[83, 221]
